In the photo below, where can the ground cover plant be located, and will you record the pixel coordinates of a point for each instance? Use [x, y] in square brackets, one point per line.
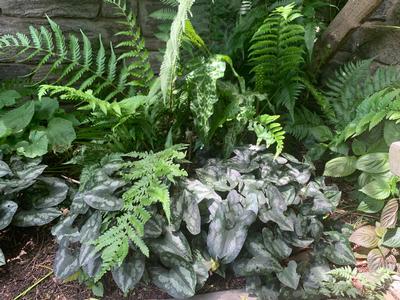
[175, 176]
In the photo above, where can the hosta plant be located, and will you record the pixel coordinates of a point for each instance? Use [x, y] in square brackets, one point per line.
[27, 198]
[260, 216]
[378, 244]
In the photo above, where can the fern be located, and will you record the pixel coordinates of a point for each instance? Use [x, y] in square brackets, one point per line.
[305, 120]
[269, 131]
[276, 52]
[171, 56]
[150, 175]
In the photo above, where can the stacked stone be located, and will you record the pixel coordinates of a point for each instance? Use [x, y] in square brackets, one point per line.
[91, 16]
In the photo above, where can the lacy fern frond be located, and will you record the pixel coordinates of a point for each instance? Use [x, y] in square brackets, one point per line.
[149, 175]
[303, 123]
[171, 56]
[269, 131]
[136, 54]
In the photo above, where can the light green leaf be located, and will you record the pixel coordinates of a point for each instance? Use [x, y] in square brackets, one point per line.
[61, 134]
[370, 205]
[17, 119]
[365, 236]
[289, 275]
[391, 238]
[46, 108]
[391, 132]
[377, 189]
[7, 98]
[341, 166]
[373, 163]
[37, 146]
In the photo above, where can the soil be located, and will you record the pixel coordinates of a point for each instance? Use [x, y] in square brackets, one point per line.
[30, 253]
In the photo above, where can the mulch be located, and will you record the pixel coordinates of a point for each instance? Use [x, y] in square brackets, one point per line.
[30, 254]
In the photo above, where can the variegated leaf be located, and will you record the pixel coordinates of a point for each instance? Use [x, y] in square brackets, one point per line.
[54, 192]
[7, 211]
[129, 273]
[27, 218]
[289, 275]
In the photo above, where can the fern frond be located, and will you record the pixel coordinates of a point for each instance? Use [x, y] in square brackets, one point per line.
[269, 131]
[171, 56]
[303, 123]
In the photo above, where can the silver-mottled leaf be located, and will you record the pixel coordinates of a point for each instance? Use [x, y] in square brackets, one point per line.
[27, 218]
[289, 276]
[64, 229]
[7, 212]
[65, 263]
[101, 198]
[54, 192]
[4, 169]
[129, 273]
[91, 229]
[257, 266]
[172, 242]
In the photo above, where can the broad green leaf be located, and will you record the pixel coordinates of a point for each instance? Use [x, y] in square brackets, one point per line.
[389, 214]
[370, 205]
[37, 145]
[7, 211]
[391, 132]
[392, 238]
[129, 273]
[7, 98]
[28, 218]
[61, 134]
[46, 108]
[373, 163]
[2, 258]
[359, 147]
[365, 236]
[377, 189]
[17, 119]
[289, 275]
[341, 166]
[322, 133]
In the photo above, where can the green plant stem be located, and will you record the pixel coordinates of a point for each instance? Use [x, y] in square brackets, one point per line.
[33, 285]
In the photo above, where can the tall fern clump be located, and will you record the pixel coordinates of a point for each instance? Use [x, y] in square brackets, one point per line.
[276, 51]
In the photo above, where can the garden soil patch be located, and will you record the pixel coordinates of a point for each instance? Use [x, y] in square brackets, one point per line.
[30, 253]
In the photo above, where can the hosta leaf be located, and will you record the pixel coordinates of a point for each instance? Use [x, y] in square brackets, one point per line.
[392, 238]
[2, 258]
[257, 266]
[65, 263]
[27, 218]
[373, 163]
[52, 192]
[365, 236]
[129, 273]
[289, 276]
[7, 211]
[389, 214]
[377, 189]
[61, 134]
[341, 166]
[179, 282]
[4, 169]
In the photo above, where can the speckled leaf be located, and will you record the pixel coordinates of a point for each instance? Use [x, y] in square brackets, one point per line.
[65, 263]
[93, 266]
[64, 229]
[87, 254]
[277, 247]
[154, 227]
[179, 282]
[338, 250]
[78, 205]
[257, 266]
[2, 258]
[7, 211]
[172, 242]
[91, 229]
[365, 236]
[220, 178]
[56, 189]
[101, 198]
[389, 214]
[289, 276]
[202, 269]
[27, 218]
[228, 230]
[129, 273]
[4, 169]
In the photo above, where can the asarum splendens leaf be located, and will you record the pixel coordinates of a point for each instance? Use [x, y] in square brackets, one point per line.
[129, 273]
[258, 265]
[33, 217]
[174, 243]
[289, 276]
[2, 258]
[390, 213]
[7, 211]
[365, 236]
[341, 166]
[65, 263]
[53, 192]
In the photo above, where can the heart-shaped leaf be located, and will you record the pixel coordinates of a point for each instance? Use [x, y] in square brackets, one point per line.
[49, 192]
[65, 263]
[7, 211]
[33, 217]
[257, 266]
[389, 214]
[289, 276]
[129, 273]
[365, 236]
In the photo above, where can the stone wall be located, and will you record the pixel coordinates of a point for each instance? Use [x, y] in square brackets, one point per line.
[92, 16]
